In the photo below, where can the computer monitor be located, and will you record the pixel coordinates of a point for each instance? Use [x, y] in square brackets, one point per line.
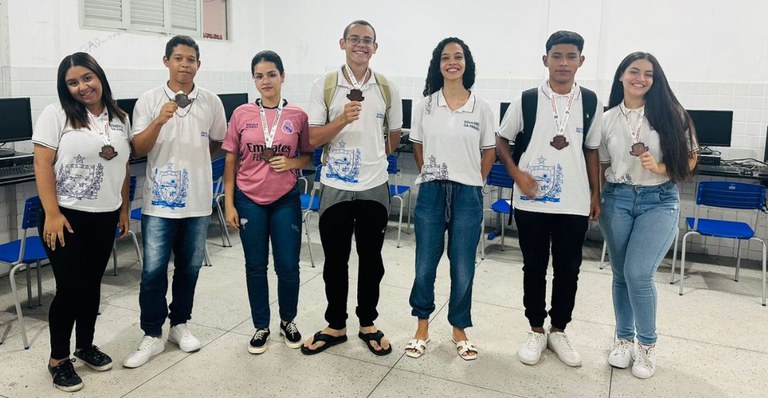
[713, 128]
[16, 125]
[232, 101]
[127, 105]
[503, 110]
[407, 107]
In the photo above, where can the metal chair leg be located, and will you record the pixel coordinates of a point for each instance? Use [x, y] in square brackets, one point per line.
[602, 256]
[738, 260]
[19, 314]
[309, 240]
[114, 257]
[39, 286]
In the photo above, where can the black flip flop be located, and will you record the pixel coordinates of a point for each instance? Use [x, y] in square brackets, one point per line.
[375, 336]
[329, 341]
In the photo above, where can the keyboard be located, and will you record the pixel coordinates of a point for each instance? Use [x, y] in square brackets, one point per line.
[18, 170]
[710, 168]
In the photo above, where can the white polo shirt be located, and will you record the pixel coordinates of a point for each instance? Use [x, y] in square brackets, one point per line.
[452, 141]
[561, 174]
[616, 146]
[356, 157]
[84, 180]
[179, 180]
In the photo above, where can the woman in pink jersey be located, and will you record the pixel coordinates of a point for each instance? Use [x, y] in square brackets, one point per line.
[267, 143]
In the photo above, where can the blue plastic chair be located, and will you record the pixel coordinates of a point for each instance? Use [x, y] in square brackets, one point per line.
[396, 191]
[217, 169]
[131, 195]
[728, 195]
[498, 180]
[310, 203]
[21, 253]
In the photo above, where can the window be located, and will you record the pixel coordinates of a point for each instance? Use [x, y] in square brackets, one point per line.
[197, 18]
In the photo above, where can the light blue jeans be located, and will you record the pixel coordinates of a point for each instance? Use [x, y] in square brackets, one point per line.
[185, 237]
[638, 224]
[457, 208]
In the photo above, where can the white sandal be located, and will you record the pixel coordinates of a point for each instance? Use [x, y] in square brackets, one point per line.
[416, 348]
[466, 349]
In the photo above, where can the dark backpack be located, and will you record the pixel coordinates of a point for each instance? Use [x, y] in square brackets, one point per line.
[530, 99]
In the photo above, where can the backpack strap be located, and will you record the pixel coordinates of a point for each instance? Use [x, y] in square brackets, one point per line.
[386, 93]
[588, 108]
[530, 99]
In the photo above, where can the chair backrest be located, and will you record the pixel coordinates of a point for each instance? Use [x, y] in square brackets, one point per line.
[499, 177]
[131, 188]
[217, 169]
[317, 157]
[730, 195]
[31, 208]
[392, 164]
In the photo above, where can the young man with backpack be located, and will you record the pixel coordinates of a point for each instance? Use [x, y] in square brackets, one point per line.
[556, 131]
[356, 114]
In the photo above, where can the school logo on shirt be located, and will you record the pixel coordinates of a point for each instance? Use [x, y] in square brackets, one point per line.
[343, 164]
[288, 127]
[473, 125]
[169, 187]
[204, 134]
[549, 179]
[79, 180]
[433, 171]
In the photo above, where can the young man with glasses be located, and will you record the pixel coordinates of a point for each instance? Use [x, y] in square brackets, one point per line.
[351, 112]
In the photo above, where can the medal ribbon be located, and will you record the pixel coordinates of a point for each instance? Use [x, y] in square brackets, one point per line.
[634, 131]
[104, 135]
[269, 136]
[352, 78]
[566, 114]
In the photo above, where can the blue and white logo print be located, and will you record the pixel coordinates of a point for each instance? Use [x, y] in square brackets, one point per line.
[170, 187]
[79, 180]
[433, 171]
[549, 179]
[343, 164]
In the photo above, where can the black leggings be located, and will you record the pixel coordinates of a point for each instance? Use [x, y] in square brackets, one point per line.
[367, 219]
[78, 268]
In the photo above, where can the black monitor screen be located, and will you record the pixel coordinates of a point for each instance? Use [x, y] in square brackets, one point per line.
[503, 110]
[713, 128]
[232, 101]
[407, 106]
[127, 105]
[15, 119]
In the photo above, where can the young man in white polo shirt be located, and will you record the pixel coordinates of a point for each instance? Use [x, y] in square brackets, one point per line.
[355, 196]
[177, 126]
[556, 191]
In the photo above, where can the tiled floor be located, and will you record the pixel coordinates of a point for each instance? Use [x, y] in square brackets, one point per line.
[713, 340]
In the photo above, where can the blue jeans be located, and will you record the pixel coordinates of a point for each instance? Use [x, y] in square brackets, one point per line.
[280, 221]
[457, 208]
[638, 225]
[185, 237]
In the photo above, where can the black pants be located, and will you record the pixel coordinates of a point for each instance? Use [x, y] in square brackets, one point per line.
[78, 268]
[367, 219]
[565, 233]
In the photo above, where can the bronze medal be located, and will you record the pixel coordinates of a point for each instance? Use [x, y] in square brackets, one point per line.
[355, 95]
[182, 100]
[559, 142]
[267, 154]
[638, 149]
[108, 152]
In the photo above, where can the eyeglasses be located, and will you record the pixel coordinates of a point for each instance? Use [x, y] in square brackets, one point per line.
[355, 40]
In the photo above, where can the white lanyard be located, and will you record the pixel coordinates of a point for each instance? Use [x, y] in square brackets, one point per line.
[566, 114]
[269, 136]
[352, 78]
[104, 135]
[634, 131]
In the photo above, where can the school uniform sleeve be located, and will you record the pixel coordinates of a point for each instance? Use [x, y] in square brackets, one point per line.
[513, 121]
[49, 126]
[304, 145]
[417, 121]
[602, 151]
[232, 138]
[594, 136]
[487, 132]
[318, 112]
[143, 113]
[395, 115]
[219, 125]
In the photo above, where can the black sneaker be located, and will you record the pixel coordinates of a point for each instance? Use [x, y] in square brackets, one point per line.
[93, 358]
[64, 376]
[258, 343]
[291, 334]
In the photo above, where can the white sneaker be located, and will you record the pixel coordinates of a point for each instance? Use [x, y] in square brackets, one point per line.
[623, 352]
[645, 363]
[559, 343]
[181, 336]
[535, 344]
[149, 347]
